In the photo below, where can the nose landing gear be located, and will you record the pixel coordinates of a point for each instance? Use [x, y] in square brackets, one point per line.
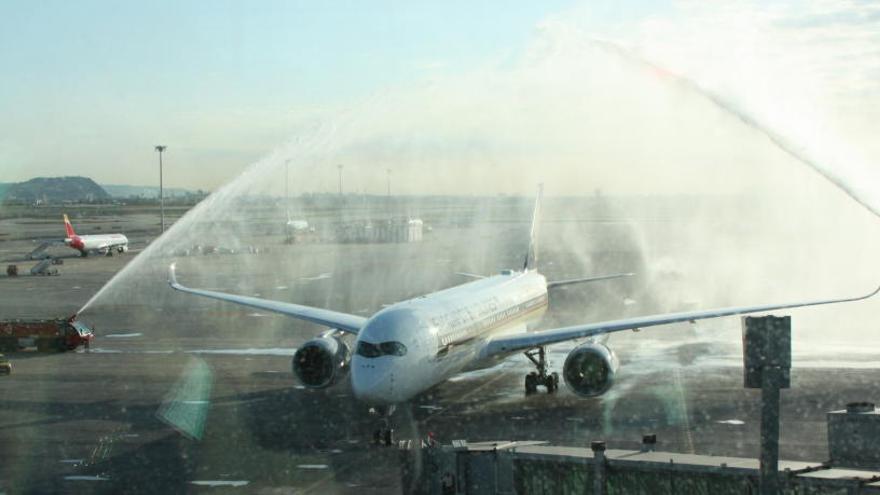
[384, 434]
[540, 377]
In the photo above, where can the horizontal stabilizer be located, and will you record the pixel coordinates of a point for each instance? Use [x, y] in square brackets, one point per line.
[559, 283]
[470, 275]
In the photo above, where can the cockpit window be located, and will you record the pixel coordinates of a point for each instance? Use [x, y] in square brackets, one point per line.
[393, 348]
[369, 350]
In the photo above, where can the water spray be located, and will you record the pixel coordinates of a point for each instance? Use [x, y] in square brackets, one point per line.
[750, 120]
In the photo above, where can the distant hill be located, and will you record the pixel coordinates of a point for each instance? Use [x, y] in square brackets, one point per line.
[125, 191]
[55, 190]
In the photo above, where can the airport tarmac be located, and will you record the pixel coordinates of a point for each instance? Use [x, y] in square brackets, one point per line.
[88, 422]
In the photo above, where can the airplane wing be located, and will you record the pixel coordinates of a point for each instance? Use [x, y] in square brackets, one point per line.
[511, 343]
[561, 283]
[333, 319]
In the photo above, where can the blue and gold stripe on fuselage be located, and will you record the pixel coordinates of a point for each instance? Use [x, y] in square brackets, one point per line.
[525, 311]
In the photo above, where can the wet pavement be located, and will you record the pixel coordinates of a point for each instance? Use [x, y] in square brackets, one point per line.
[132, 415]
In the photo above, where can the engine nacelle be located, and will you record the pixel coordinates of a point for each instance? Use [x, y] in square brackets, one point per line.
[589, 369]
[321, 362]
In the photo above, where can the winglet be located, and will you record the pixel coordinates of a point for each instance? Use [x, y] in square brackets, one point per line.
[870, 295]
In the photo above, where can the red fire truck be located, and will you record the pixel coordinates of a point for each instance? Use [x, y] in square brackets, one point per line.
[52, 335]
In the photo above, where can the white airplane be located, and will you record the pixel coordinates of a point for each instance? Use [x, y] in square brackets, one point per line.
[100, 243]
[412, 346]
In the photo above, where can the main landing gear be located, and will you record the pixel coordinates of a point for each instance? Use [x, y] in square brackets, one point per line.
[540, 377]
[384, 434]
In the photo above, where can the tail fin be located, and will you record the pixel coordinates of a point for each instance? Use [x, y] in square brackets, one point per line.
[531, 260]
[68, 227]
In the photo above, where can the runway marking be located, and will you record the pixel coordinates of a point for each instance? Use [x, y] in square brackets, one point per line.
[122, 335]
[86, 478]
[220, 482]
[736, 422]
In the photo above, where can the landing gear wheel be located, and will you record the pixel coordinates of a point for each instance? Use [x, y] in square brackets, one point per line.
[540, 377]
[388, 437]
[552, 382]
[531, 383]
[377, 436]
[383, 436]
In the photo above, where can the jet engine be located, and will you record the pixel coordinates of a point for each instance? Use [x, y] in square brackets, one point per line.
[321, 362]
[589, 369]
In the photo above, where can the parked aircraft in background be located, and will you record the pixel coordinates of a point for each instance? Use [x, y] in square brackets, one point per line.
[98, 243]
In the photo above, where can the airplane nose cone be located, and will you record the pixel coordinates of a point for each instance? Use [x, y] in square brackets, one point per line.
[373, 381]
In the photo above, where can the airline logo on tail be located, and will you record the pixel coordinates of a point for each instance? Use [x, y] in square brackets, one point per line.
[68, 228]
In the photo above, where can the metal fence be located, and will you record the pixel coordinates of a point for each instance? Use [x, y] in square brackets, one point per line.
[536, 469]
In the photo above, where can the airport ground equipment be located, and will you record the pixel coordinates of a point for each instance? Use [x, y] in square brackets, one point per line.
[5, 366]
[12, 270]
[46, 335]
[40, 251]
[44, 267]
[767, 366]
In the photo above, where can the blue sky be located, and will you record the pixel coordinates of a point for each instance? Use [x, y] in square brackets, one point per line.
[90, 86]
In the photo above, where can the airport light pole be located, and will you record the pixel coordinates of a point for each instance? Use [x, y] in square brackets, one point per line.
[388, 192]
[340, 179]
[287, 185]
[161, 148]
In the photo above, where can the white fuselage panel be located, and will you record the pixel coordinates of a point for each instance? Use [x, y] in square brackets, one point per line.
[443, 334]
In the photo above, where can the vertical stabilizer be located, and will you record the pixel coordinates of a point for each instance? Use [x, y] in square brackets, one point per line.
[68, 227]
[531, 260]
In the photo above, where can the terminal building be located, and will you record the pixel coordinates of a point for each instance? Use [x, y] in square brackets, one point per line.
[397, 230]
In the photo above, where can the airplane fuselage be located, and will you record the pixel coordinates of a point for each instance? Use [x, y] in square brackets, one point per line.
[414, 345]
[99, 242]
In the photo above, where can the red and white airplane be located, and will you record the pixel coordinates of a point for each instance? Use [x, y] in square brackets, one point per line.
[100, 243]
